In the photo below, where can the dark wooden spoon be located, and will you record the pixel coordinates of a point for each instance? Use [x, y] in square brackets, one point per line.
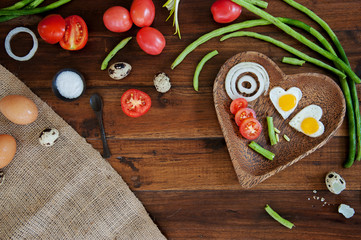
[96, 104]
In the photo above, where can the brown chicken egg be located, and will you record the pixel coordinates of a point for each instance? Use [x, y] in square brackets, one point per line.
[7, 149]
[19, 109]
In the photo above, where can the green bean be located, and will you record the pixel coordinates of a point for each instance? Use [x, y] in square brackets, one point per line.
[278, 218]
[298, 37]
[18, 5]
[21, 12]
[287, 48]
[32, 5]
[293, 61]
[342, 53]
[112, 53]
[238, 26]
[264, 152]
[258, 3]
[215, 33]
[200, 66]
[271, 131]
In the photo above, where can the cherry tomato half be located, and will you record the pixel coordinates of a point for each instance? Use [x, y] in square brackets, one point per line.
[225, 11]
[238, 104]
[243, 114]
[135, 103]
[142, 12]
[117, 19]
[150, 40]
[52, 28]
[76, 33]
[250, 128]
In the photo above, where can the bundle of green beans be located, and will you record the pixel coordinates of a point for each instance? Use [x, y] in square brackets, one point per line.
[342, 66]
[27, 7]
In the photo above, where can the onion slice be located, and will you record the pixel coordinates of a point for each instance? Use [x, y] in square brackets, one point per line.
[14, 32]
[244, 72]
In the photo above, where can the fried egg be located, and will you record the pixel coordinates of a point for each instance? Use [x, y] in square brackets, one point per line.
[285, 102]
[308, 122]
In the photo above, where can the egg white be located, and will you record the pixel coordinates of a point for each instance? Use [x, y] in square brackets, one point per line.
[313, 111]
[277, 92]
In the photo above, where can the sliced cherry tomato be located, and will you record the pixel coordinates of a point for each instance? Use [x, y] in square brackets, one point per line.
[225, 11]
[76, 33]
[250, 128]
[52, 28]
[243, 114]
[238, 104]
[117, 19]
[142, 12]
[135, 103]
[150, 40]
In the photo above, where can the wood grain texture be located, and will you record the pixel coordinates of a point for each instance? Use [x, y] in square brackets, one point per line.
[175, 157]
[318, 89]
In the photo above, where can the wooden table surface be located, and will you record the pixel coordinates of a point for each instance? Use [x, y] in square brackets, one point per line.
[175, 158]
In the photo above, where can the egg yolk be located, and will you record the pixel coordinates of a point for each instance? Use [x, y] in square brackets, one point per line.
[309, 125]
[287, 102]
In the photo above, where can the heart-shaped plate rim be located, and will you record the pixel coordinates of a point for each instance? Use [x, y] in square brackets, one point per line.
[252, 168]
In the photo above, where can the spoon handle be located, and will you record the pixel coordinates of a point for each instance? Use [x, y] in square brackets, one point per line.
[106, 151]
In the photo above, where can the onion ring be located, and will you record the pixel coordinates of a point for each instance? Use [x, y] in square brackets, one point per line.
[14, 32]
[234, 84]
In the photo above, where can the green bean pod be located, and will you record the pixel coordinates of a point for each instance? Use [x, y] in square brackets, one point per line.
[299, 37]
[112, 53]
[200, 66]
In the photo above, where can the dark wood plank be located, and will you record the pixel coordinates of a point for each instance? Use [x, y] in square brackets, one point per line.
[204, 164]
[240, 214]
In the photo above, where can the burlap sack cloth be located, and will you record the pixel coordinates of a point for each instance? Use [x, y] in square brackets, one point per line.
[67, 191]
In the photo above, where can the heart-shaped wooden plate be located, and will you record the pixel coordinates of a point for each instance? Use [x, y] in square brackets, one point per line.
[252, 168]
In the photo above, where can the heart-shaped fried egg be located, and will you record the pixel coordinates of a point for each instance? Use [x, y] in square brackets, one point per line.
[308, 122]
[285, 101]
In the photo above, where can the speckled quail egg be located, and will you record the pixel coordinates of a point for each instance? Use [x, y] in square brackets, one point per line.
[162, 82]
[48, 137]
[119, 70]
[335, 183]
[285, 102]
[308, 122]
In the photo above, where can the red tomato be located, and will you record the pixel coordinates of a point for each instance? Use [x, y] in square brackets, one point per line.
[135, 103]
[250, 128]
[238, 104]
[52, 28]
[76, 33]
[225, 11]
[243, 114]
[142, 12]
[150, 40]
[117, 19]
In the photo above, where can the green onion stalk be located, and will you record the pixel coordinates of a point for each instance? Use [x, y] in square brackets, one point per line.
[343, 56]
